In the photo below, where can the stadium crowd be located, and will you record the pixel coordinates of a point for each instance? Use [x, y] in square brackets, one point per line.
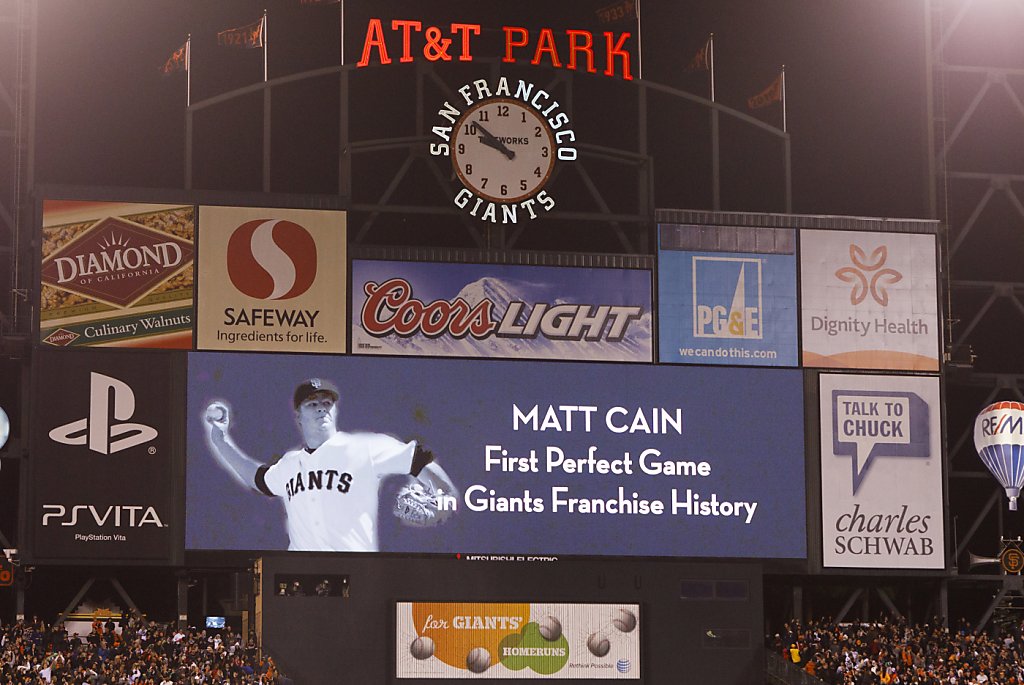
[898, 653]
[139, 653]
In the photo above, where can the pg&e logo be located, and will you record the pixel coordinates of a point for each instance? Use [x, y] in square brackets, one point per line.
[107, 428]
[727, 298]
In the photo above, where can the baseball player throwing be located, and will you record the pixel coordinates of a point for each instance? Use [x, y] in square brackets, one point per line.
[330, 485]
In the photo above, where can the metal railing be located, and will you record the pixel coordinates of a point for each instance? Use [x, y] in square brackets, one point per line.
[779, 671]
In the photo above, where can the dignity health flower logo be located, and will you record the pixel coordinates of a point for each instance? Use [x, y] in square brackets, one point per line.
[868, 276]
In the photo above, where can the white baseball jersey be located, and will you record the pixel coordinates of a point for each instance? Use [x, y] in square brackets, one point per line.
[330, 494]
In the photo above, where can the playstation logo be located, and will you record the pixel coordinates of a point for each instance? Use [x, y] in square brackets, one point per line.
[105, 430]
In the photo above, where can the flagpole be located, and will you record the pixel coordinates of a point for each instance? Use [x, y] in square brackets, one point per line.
[711, 63]
[188, 70]
[639, 45]
[341, 30]
[784, 98]
[264, 36]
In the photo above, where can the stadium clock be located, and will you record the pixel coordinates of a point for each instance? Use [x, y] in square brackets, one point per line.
[503, 150]
[504, 140]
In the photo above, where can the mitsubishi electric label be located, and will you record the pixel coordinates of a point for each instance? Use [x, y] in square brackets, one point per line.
[735, 304]
[542, 457]
[881, 472]
[869, 300]
[102, 480]
[517, 640]
[494, 310]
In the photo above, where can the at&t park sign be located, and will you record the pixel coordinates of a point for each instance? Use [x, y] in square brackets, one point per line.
[504, 136]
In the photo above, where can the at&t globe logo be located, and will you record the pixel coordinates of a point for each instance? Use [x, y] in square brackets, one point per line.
[271, 259]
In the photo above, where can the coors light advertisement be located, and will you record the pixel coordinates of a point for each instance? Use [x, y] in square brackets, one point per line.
[496, 310]
[116, 274]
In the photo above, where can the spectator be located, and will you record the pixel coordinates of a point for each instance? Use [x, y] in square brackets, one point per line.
[140, 654]
[897, 653]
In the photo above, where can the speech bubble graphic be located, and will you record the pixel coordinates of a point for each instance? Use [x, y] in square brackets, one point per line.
[867, 424]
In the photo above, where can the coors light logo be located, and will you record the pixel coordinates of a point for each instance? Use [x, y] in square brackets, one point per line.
[390, 307]
[117, 262]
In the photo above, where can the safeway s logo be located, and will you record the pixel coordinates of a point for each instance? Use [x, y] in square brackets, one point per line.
[271, 259]
[106, 430]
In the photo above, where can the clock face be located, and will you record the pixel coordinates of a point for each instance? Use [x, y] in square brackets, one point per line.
[503, 150]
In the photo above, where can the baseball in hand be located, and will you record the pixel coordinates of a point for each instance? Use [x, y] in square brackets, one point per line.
[216, 413]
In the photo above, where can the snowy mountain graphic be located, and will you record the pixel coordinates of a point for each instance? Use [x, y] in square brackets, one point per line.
[635, 346]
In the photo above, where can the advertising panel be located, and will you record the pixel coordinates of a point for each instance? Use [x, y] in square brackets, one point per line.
[881, 472]
[496, 310]
[273, 279]
[517, 640]
[116, 274]
[530, 457]
[869, 300]
[733, 302]
[102, 478]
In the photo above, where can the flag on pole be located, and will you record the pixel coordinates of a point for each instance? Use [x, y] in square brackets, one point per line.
[248, 36]
[178, 61]
[701, 61]
[772, 93]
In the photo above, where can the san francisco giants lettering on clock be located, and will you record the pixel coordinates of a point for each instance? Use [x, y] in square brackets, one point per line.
[504, 147]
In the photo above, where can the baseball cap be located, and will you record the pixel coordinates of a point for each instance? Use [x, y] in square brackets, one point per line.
[314, 385]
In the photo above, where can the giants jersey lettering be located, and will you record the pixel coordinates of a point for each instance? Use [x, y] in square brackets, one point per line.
[330, 495]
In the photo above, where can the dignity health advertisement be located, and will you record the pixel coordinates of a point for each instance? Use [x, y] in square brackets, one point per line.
[881, 472]
[518, 640]
[869, 300]
[501, 310]
[330, 453]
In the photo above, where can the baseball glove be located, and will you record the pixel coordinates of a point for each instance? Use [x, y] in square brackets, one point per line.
[418, 506]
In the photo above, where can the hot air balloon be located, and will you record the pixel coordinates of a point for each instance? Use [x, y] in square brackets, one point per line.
[999, 439]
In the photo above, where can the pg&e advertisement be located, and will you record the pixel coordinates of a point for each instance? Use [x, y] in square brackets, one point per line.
[727, 295]
[327, 453]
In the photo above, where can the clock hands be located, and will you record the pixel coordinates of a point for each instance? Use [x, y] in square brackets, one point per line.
[490, 140]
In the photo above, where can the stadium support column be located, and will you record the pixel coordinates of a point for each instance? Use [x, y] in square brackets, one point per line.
[798, 602]
[19, 597]
[182, 600]
[944, 602]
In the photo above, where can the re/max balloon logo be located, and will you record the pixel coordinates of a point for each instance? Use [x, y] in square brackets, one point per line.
[1003, 424]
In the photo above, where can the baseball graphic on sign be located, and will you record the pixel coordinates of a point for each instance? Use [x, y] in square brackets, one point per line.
[422, 648]
[478, 660]
[550, 628]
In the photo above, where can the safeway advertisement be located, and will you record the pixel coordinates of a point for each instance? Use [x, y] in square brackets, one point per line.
[517, 640]
[271, 279]
[496, 310]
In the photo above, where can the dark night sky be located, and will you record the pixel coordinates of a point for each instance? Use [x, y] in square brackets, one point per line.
[855, 81]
